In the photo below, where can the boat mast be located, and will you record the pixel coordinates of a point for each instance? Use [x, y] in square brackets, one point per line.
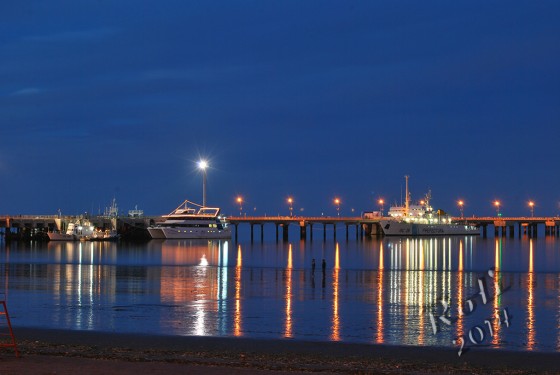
[407, 198]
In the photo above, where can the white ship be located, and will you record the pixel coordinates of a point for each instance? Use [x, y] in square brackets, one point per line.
[191, 223]
[79, 230]
[421, 220]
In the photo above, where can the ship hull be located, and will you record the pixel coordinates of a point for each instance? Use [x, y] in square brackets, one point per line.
[401, 228]
[55, 236]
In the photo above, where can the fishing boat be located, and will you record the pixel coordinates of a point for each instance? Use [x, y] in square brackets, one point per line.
[78, 230]
[421, 220]
[105, 235]
[191, 221]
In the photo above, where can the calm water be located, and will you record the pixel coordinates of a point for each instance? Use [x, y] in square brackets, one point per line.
[372, 291]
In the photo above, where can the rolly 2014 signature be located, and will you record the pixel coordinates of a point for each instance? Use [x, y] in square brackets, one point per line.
[476, 335]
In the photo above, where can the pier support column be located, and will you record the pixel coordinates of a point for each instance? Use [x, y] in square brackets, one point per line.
[285, 231]
[236, 225]
[262, 233]
[276, 224]
[334, 231]
[251, 232]
[310, 232]
[346, 232]
[484, 230]
[324, 232]
[534, 230]
[511, 231]
[302, 231]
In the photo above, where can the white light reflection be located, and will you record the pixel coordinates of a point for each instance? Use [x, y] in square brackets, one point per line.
[203, 261]
[223, 249]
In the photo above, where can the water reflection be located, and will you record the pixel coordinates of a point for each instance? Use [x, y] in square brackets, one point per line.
[237, 331]
[530, 301]
[288, 297]
[335, 336]
[380, 291]
[380, 271]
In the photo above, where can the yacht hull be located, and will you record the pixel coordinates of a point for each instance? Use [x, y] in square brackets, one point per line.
[182, 233]
[156, 233]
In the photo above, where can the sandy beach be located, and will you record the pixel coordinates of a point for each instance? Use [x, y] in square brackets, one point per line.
[70, 352]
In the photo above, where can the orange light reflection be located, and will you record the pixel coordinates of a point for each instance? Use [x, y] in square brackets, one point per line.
[288, 324]
[237, 317]
[379, 338]
[335, 336]
[460, 286]
[530, 301]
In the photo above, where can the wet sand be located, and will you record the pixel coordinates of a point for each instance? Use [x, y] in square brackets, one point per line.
[70, 352]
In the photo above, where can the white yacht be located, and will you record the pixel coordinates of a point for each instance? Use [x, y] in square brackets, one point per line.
[421, 220]
[78, 230]
[192, 222]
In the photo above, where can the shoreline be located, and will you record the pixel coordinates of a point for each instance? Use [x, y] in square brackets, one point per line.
[78, 349]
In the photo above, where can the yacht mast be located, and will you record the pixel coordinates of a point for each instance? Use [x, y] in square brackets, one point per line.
[407, 197]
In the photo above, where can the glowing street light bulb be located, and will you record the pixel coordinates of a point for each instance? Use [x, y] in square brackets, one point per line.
[461, 204]
[290, 204]
[202, 164]
[532, 207]
[337, 203]
[240, 203]
[497, 204]
[381, 203]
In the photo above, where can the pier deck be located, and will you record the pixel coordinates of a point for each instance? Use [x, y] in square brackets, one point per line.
[29, 226]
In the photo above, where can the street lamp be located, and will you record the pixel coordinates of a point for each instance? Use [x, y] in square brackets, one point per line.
[337, 204]
[461, 204]
[202, 165]
[497, 204]
[290, 204]
[240, 203]
[381, 202]
[532, 207]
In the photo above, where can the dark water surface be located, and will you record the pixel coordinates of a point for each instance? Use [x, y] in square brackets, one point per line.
[372, 290]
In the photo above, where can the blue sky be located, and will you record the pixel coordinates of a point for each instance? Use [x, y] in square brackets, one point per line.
[310, 99]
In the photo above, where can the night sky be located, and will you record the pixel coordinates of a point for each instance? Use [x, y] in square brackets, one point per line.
[309, 99]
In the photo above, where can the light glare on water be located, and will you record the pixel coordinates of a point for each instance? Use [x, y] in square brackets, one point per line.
[372, 291]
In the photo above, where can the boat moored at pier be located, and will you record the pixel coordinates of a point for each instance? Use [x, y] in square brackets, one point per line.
[192, 222]
[421, 220]
[78, 230]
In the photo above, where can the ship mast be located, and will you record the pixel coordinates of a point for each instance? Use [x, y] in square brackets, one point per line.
[407, 197]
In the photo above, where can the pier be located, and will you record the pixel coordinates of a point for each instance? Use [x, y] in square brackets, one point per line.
[361, 226]
[502, 226]
[36, 226]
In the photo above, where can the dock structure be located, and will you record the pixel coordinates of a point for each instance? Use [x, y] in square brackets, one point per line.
[35, 226]
[363, 226]
[502, 226]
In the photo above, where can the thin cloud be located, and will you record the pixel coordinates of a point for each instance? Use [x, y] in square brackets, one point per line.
[27, 91]
[74, 35]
